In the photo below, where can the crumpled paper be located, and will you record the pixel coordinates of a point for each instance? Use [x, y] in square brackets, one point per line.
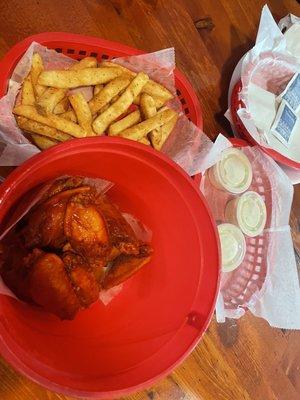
[287, 21]
[187, 144]
[266, 283]
[269, 65]
[102, 186]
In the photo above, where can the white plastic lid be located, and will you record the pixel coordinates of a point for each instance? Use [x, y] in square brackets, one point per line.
[233, 246]
[234, 171]
[251, 213]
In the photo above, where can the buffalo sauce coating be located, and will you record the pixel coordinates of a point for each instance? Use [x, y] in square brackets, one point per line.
[74, 243]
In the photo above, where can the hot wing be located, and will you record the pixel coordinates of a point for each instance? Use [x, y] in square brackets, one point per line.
[124, 266]
[84, 226]
[74, 243]
[50, 286]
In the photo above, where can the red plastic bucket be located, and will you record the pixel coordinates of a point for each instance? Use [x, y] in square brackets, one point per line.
[161, 313]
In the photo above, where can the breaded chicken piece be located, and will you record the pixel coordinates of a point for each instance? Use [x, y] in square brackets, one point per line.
[50, 287]
[120, 232]
[74, 243]
[82, 278]
[45, 225]
[125, 266]
[84, 226]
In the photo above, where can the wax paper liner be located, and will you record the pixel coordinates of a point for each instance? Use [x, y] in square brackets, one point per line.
[266, 283]
[185, 147]
[102, 186]
[269, 65]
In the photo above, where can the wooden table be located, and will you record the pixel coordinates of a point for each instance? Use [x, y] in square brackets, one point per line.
[238, 360]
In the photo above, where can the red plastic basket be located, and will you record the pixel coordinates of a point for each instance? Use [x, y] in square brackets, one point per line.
[79, 46]
[249, 278]
[236, 104]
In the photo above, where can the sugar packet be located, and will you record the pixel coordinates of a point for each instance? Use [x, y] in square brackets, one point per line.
[291, 93]
[286, 124]
[262, 107]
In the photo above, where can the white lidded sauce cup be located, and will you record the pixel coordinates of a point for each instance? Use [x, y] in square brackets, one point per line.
[233, 246]
[248, 212]
[232, 173]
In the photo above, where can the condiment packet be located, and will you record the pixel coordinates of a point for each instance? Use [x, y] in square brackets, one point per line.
[262, 107]
[291, 93]
[286, 124]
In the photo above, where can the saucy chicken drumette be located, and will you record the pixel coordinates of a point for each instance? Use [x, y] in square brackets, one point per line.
[73, 244]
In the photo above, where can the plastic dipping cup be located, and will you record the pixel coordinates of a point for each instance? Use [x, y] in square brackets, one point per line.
[233, 246]
[232, 173]
[248, 212]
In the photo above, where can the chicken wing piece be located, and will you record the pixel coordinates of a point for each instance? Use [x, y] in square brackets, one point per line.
[45, 225]
[125, 266]
[82, 278]
[84, 227]
[14, 266]
[97, 265]
[83, 233]
[61, 185]
[120, 232]
[50, 287]
[66, 194]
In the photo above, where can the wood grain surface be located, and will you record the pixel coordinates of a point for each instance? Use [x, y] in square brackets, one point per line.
[239, 360]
